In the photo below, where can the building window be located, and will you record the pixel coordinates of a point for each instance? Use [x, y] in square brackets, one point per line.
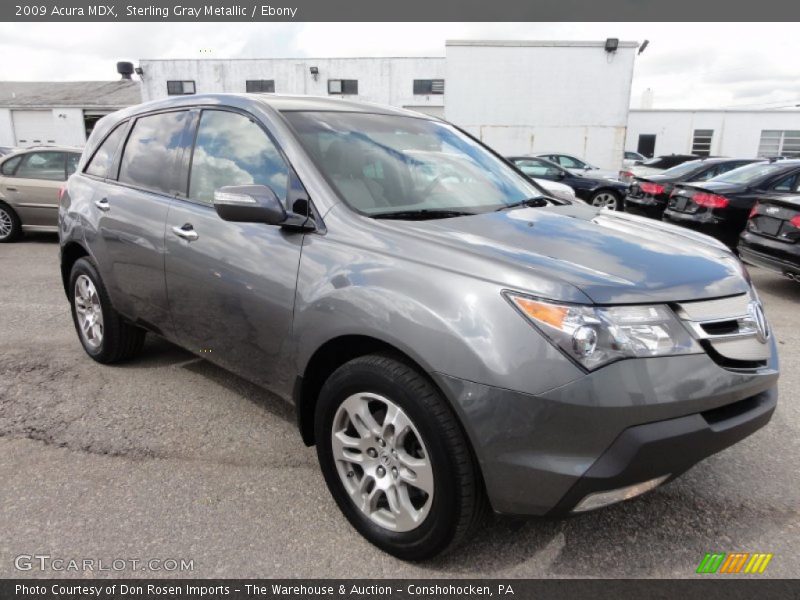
[779, 143]
[701, 143]
[343, 86]
[256, 86]
[180, 88]
[426, 87]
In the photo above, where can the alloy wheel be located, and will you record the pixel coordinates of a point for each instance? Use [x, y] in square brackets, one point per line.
[88, 311]
[605, 200]
[6, 224]
[382, 461]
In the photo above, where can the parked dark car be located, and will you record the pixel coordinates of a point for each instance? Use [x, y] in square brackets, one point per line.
[772, 236]
[597, 191]
[451, 339]
[720, 206]
[648, 194]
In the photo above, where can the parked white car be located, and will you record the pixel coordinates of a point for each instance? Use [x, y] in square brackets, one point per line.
[632, 158]
[577, 166]
[651, 166]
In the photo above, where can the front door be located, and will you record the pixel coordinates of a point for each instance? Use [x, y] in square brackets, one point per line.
[231, 286]
[34, 187]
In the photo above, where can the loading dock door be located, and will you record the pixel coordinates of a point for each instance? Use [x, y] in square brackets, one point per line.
[33, 127]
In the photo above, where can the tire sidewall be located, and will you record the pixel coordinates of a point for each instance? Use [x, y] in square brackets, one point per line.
[438, 528]
[618, 206]
[84, 266]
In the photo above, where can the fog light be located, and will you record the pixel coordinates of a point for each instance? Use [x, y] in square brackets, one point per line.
[600, 499]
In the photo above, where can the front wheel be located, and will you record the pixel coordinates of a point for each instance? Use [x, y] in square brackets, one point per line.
[395, 458]
[606, 199]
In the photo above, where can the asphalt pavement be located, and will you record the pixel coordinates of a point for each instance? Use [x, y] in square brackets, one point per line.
[171, 458]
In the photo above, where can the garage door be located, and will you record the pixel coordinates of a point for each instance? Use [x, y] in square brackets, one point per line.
[33, 127]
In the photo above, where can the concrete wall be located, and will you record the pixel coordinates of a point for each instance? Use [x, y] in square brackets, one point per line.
[736, 133]
[382, 80]
[65, 125]
[526, 97]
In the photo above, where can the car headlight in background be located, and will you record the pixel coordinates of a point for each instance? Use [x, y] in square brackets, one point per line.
[597, 335]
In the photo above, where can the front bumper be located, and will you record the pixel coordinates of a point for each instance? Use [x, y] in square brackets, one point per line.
[628, 422]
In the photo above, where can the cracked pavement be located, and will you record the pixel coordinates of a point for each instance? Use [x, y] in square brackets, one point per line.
[169, 456]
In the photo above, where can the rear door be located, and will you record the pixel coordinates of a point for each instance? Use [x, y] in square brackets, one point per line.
[131, 205]
[231, 286]
[33, 190]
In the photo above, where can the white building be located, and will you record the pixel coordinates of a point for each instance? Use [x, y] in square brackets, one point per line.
[519, 97]
[734, 133]
[527, 97]
[62, 113]
[414, 83]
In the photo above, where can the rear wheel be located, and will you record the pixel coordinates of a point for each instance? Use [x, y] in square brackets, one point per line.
[105, 336]
[395, 458]
[606, 199]
[10, 225]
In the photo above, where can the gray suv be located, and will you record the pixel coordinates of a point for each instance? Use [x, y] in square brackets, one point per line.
[452, 338]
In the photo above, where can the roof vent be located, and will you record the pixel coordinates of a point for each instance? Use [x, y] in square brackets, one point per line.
[125, 69]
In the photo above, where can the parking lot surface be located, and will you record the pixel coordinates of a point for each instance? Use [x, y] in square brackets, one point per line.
[170, 457]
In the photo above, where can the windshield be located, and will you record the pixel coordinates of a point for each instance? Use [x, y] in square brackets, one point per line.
[749, 173]
[382, 164]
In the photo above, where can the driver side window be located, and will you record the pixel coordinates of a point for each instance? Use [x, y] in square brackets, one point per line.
[232, 149]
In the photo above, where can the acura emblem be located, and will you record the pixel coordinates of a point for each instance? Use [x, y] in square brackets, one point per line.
[756, 314]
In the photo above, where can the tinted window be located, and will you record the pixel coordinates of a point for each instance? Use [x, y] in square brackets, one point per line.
[750, 173]
[151, 155]
[233, 150]
[42, 165]
[9, 166]
[787, 184]
[104, 157]
[685, 169]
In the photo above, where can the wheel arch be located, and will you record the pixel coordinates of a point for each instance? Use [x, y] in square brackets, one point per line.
[71, 252]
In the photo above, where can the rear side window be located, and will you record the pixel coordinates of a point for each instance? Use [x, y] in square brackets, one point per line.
[151, 155]
[787, 184]
[233, 150]
[43, 165]
[104, 156]
[9, 166]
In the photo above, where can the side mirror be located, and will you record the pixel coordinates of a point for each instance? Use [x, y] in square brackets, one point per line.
[249, 204]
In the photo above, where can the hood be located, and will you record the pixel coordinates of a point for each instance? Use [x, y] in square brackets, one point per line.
[610, 257]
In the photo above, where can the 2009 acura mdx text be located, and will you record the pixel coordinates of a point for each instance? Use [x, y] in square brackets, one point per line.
[452, 339]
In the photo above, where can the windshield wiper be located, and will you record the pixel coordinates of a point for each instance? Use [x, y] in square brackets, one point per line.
[534, 202]
[421, 214]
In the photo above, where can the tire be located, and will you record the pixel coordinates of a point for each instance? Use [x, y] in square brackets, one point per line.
[104, 334]
[428, 433]
[10, 225]
[606, 199]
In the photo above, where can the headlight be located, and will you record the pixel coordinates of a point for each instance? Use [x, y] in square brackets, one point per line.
[595, 336]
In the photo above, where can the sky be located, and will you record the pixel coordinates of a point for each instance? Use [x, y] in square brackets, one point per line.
[687, 65]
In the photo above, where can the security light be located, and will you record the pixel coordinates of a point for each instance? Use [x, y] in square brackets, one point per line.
[612, 44]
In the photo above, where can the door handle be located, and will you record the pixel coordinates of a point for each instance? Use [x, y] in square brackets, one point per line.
[103, 204]
[186, 232]
[10, 189]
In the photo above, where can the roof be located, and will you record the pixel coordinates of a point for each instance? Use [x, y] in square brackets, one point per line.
[78, 94]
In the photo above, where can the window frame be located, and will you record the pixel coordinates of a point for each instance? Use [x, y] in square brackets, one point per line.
[430, 85]
[182, 82]
[699, 144]
[342, 86]
[781, 143]
[270, 82]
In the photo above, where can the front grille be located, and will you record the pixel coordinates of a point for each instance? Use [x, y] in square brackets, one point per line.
[731, 330]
